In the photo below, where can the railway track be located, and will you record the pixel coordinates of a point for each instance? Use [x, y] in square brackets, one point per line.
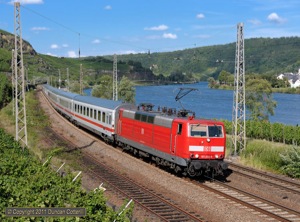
[266, 209]
[270, 179]
[155, 203]
[163, 208]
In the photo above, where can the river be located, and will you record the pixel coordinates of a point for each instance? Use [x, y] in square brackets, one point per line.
[214, 103]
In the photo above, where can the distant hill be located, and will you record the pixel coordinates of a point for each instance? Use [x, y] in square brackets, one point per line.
[262, 56]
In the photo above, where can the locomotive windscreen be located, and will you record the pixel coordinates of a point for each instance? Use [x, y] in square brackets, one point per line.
[197, 130]
[215, 131]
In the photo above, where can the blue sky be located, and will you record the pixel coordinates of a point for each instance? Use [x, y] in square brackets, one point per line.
[105, 27]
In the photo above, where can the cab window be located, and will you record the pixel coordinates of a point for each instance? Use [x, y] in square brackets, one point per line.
[197, 130]
[179, 129]
[215, 131]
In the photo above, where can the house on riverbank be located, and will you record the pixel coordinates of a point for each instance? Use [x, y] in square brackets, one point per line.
[293, 78]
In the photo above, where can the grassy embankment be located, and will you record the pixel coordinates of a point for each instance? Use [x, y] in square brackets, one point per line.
[38, 132]
[260, 154]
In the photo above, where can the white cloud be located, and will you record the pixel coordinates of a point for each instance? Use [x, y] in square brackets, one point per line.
[274, 17]
[200, 16]
[108, 7]
[72, 54]
[169, 36]
[255, 22]
[27, 2]
[65, 45]
[50, 54]
[157, 28]
[39, 28]
[96, 41]
[54, 46]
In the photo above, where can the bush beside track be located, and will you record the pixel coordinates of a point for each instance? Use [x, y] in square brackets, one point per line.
[24, 182]
[275, 132]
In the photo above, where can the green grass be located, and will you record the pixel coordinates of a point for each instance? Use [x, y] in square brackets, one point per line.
[261, 154]
[36, 121]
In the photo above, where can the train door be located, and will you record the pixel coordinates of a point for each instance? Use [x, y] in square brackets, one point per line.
[177, 135]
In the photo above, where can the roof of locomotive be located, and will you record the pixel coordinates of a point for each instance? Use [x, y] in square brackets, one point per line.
[166, 119]
[163, 113]
[105, 103]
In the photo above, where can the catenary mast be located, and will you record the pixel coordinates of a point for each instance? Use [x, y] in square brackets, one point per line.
[239, 110]
[115, 79]
[19, 86]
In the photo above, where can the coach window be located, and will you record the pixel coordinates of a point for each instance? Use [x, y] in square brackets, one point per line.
[99, 115]
[103, 116]
[179, 129]
[95, 112]
[84, 110]
[91, 113]
[80, 109]
[76, 108]
[109, 118]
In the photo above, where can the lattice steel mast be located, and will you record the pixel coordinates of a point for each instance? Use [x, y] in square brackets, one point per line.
[81, 81]
[239, 110]
[115, 79]
[68, 80]
[19, 86]
[13, 78]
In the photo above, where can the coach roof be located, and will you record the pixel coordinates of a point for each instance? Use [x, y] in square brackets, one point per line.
[60, 92]
[105, 103]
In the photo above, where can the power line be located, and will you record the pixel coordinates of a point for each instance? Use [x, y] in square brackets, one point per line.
[49, 19]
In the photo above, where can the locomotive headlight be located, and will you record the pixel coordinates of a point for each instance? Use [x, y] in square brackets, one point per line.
[197, 156]
[217, 156]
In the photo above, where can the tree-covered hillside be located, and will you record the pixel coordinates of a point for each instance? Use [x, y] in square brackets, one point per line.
[262, 56]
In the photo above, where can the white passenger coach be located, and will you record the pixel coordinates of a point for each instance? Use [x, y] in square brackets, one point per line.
[95, 114]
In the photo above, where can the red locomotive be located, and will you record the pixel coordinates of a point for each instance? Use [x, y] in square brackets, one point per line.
[172, 139]
[192, 146]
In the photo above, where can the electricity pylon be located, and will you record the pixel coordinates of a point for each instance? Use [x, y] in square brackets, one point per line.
[81, 81]
[19, 86]
[13, 78]
[239, 110]
[115, 79]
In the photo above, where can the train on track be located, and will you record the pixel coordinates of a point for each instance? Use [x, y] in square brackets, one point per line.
[176, 140]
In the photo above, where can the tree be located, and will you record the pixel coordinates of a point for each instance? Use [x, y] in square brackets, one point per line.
[126, 92]
[223, 77]
[5, 90]
[211, 82]
[105, 88]
[259, 99]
